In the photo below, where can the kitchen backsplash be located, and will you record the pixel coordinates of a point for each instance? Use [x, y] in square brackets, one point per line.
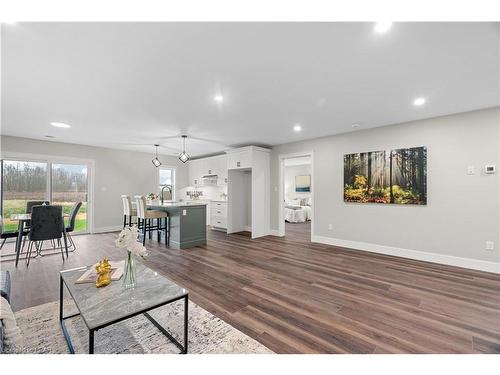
[209, 192]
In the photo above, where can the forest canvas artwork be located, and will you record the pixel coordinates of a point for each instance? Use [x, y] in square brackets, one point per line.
[391, 176]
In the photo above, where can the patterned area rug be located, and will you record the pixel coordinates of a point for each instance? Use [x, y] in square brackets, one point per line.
[42, 332]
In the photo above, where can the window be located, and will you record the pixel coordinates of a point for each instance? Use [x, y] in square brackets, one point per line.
[166, 176]
[61, 184]
[22, 181]
[69, 185]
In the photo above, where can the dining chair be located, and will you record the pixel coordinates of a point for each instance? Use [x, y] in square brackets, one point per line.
[145, 220]
[71, 225]
[30, 204]
[47, 223]
[128, 210]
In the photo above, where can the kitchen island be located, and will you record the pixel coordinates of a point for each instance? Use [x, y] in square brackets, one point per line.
[188, 223]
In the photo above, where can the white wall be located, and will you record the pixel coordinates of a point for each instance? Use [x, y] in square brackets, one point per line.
[116, 172]
[462, 211]
[289, 177]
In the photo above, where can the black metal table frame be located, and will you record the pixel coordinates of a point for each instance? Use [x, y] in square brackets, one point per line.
[62, 318]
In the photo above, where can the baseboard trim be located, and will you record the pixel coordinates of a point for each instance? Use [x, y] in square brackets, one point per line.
[274, 232]
[114, 228]
[449, 260]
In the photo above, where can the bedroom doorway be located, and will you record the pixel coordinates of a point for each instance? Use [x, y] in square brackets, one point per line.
[296, 196]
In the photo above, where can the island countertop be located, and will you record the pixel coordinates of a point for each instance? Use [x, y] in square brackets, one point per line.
[176, 204]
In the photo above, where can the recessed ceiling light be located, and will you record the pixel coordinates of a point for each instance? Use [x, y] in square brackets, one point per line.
[355, 125]
[382, 27]
[419, 101]
[219, 98]
[60, 125]
[297, 128]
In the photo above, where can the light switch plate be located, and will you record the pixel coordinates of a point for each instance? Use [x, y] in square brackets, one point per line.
[184, 212]
[470, 170]
[489, 169]
[490, 245]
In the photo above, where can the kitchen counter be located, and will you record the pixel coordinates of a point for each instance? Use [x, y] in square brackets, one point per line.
[178, 204]
[188, 223]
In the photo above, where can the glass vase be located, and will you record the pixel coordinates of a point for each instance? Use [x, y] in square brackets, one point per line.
[129, 279]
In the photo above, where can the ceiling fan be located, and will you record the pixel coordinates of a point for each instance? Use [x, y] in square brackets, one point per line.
[169, 149]
[183, 156]
[192, 137]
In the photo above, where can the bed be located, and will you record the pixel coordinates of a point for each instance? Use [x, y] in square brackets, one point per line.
[295, 213]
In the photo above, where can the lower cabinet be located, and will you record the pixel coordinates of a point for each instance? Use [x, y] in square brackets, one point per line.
[218, 215]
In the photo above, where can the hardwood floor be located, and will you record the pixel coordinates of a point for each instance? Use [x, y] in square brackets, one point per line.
[298, 297]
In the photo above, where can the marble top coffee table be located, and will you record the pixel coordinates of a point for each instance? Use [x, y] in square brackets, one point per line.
[101, 307]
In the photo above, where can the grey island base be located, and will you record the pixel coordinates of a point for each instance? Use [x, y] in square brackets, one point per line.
[188, 223]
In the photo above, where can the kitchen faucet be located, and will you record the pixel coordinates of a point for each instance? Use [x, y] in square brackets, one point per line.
[169, 187]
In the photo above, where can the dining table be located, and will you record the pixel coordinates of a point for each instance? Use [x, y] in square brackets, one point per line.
[22, 219]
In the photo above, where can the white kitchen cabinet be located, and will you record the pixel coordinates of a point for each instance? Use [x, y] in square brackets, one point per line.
[240, 158]
[218, 215]
[248, 190]
[214, 165]
[219, 165]
[195, 172]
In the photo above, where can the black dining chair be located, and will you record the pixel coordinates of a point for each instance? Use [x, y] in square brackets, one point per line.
[71, 225]
[47, 224]
[30, 204]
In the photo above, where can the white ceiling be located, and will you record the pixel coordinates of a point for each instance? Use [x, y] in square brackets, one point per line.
[119, 84]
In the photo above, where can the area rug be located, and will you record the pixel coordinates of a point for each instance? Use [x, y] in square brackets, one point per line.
[42, 332]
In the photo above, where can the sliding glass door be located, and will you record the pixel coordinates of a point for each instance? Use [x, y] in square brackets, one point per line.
[69, 185]
[22, 181]
[60, 183]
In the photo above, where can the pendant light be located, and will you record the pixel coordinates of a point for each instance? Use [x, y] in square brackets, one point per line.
[156, 162]
[184, 157]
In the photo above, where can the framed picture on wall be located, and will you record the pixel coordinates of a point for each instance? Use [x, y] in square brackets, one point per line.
[303, 184]
[390, 176]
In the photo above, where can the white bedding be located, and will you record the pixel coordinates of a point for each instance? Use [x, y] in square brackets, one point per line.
[297, 214]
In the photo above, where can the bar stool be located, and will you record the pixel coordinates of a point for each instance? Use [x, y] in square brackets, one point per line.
[145, 220]
[128, 211]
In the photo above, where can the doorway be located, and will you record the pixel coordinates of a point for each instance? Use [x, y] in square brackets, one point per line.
[296, 196]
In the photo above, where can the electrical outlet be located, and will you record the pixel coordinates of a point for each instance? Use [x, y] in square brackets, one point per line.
[330, 226]
[490, 245]
[184, 212]
[470, 170]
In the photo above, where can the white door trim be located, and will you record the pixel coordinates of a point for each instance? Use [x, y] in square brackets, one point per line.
[281, 190]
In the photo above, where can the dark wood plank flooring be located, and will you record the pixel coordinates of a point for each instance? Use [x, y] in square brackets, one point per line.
[298, 297]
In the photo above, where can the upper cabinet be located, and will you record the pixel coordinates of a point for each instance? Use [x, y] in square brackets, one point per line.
[200, 168]
[244, 157]
[239, 159]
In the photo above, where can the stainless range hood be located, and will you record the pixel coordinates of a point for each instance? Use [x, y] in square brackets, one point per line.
[209, 179]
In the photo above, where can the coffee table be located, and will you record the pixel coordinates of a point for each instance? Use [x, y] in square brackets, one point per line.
[101, 307]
